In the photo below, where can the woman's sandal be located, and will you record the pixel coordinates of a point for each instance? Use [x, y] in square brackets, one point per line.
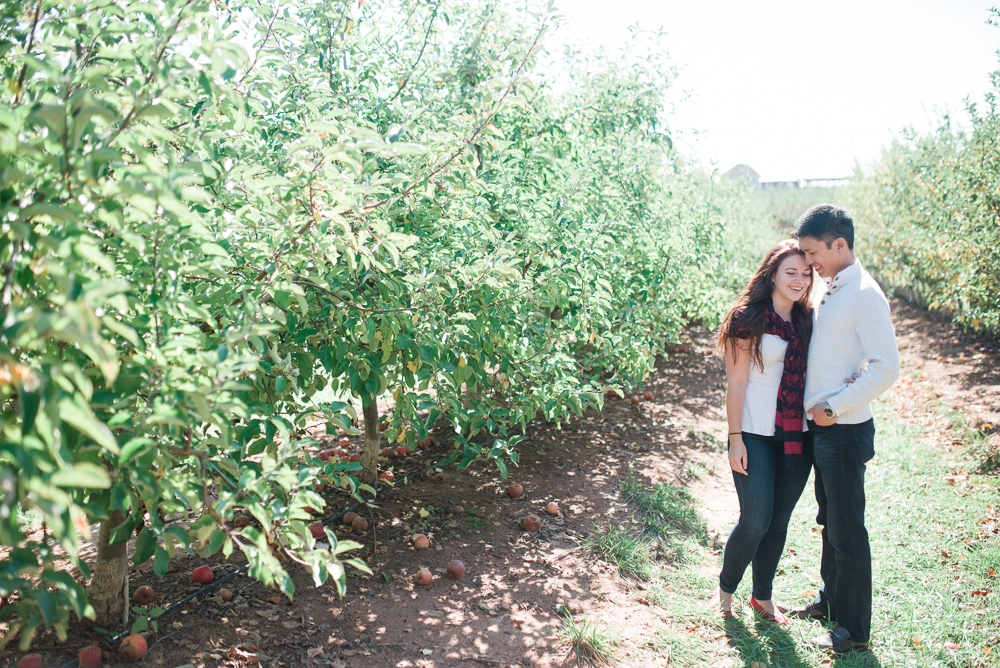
[776, 618]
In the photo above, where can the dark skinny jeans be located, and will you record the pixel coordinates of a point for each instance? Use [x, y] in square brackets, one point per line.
[768, 494]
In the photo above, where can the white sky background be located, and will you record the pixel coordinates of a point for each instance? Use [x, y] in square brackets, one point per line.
[801, 88]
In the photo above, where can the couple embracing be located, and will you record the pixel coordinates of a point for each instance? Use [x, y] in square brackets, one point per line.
[800, 378]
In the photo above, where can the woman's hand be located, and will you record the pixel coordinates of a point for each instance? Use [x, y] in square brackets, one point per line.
[737, 454]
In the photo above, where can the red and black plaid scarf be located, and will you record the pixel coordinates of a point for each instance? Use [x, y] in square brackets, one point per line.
[790, 409]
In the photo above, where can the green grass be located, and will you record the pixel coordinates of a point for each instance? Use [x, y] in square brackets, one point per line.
[631, 554]
[590, 642]
[668, 512]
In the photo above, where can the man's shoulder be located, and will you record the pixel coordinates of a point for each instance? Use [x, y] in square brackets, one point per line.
[868, 288]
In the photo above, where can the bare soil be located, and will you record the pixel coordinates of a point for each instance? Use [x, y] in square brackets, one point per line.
[503, 612]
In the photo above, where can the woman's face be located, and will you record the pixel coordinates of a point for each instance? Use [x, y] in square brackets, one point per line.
[793, 278]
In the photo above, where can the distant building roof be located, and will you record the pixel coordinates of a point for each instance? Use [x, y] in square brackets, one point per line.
[742, 171]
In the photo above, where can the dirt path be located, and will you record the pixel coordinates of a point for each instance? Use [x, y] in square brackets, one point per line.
[503, 612]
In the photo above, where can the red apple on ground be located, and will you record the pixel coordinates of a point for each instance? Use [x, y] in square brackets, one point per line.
[424, 577]
[402, 450]
[324, 455]
[344, 442]
[388, 453]
[31, 661]
[531, 523]
[456, 569]
[201, 575]
[429, 441]
[132, 648]
[421, 542]
[515, 490]
[552, 508]
[387, 475]
[647, 395]
[459, 510]
[309, 509]
[359, 524]
[349, 517]
[317, 530]
[225, 595]
[144, 595]
[90, 657]
[355, 457]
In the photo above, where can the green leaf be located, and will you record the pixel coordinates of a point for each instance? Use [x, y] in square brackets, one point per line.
[73, 411]
[124, 531]
[81, 474]
[145, 546]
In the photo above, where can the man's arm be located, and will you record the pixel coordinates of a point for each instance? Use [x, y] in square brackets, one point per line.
[874, 327]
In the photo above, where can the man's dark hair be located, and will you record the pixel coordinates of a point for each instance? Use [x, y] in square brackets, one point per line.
[827, 223]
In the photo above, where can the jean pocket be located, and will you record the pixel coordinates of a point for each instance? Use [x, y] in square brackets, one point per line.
[864, 441]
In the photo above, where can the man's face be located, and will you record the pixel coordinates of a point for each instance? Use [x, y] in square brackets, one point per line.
[826, 261]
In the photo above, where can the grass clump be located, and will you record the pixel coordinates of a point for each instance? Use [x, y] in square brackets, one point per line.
[632, 555]
[591, 642]
[666, 511]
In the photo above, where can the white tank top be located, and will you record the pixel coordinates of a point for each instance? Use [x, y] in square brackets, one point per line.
[761, 399]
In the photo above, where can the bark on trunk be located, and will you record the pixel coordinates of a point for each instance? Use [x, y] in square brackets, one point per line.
[108, 589]
[373, 441]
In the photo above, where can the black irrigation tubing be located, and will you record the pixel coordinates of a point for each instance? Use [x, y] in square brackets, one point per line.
[243, 569]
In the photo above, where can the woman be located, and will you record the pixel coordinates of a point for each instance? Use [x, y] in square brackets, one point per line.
[765, 338]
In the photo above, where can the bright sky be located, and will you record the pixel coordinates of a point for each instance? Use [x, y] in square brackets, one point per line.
[803, 89]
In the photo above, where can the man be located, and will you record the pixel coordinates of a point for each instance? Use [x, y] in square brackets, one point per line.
[852, 334]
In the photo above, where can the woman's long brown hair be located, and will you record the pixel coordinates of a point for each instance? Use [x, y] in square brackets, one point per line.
[746, 319]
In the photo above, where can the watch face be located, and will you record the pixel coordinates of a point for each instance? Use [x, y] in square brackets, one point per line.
[828, 412]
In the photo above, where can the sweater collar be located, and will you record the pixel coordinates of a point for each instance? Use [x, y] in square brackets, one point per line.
[848, 274]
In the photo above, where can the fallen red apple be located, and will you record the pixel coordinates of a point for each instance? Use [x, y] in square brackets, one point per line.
[225, 595]
[456, 569]
[344, 442]
[515, 490]
[459, 510]
[349, 517]
[31, 661]
[144, 595]
[359, 524]
[309, 509]
[383, 426]
[90, 657]
[132, 648]
[421, 542]
[387, 475]
[324, 455]
[317, 530]
[647, 395]
[424, 577]
[552, 508]
[388, 453]
[531, 523]
[344, 458]
[402, 450]
[353, 458]
[338, 452]
[429, 441]
[201, 575]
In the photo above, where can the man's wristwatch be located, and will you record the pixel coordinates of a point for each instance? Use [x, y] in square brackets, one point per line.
[828, 411]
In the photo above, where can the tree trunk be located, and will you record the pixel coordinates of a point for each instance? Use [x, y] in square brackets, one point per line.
[108, 589]
[373, 441]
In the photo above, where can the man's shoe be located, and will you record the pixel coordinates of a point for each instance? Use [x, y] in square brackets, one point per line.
[812, 611]
[837, 640]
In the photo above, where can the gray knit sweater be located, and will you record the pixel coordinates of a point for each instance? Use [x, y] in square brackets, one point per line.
[852, 333]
